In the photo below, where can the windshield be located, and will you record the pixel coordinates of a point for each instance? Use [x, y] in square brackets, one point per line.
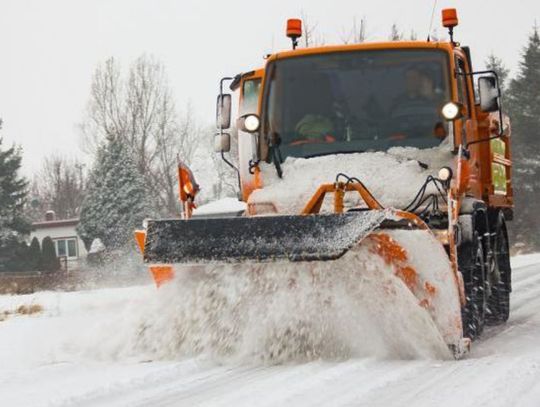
[357, 101]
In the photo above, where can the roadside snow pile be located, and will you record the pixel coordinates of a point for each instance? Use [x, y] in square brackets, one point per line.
[79, 325]
[392, 177]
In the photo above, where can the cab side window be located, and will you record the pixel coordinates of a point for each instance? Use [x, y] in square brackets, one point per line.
[463, 95]
[250, 96]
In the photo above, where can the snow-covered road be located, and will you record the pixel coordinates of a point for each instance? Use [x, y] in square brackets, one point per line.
[69, 356]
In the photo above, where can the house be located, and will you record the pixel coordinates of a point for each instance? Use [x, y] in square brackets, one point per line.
[69, 246]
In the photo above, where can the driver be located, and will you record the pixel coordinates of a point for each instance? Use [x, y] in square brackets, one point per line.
[418, 100]
[418, 88]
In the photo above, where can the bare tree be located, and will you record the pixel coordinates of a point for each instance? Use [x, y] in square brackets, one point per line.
[106, 110]
[357, 34]
[311, 36]
[141, 111]
[59, 186]
[395, 34]
[176, 139]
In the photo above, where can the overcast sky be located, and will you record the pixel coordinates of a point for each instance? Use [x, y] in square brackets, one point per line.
[50, 48]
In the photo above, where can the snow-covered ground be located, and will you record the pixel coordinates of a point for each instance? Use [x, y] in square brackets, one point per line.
[85, 349]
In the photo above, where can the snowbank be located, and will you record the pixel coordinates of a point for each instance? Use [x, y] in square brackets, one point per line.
[393, 177]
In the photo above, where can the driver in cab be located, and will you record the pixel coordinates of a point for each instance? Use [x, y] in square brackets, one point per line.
[419, 99]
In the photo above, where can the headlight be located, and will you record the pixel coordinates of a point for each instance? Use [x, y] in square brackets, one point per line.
[252, 123]
[445, 174]
[451, 111]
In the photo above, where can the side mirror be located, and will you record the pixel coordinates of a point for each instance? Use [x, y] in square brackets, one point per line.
[489, 91]
[223, 111]
[222, 143]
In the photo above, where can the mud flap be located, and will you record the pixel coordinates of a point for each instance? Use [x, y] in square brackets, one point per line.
[259, 239]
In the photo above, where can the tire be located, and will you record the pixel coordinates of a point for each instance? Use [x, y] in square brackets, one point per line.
[499, 302]
[472, 265]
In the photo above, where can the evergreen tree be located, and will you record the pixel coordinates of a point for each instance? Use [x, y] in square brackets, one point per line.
[13, 224]
[117, 199]
[496, 64]
[523, 103]
[21, 258]
[34, 255]
[49, 261]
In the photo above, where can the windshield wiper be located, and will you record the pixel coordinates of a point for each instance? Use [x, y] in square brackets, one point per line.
[277, 158]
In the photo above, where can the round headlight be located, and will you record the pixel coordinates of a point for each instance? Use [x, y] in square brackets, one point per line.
[445, 174]
[451, 111]
[252, 122]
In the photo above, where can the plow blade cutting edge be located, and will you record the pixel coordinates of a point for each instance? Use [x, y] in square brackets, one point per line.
[258, 239]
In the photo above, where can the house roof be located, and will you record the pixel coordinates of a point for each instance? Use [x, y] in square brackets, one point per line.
[55, 223]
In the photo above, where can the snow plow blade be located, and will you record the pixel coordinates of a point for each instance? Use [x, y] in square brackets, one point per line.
[392, 250]
[259, 239]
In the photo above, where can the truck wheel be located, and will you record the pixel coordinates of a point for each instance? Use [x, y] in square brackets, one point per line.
[499, 301]
[471, 264]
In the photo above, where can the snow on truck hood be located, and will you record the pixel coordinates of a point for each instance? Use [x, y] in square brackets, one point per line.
[393, 177]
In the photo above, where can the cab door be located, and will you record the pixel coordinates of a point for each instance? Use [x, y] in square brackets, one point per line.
[467, 126]
[250, 94]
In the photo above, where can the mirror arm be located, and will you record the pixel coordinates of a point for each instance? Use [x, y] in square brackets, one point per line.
[482, 140]
[501, 125]
[230, 164]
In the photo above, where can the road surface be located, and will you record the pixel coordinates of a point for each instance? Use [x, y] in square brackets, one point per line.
[51, 359]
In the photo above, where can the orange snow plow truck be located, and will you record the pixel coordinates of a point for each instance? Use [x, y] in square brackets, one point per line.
[394, 153]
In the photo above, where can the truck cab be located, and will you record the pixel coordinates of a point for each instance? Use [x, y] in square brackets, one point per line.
[372, 97]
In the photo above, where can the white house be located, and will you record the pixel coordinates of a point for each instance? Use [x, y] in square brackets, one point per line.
[67, 242]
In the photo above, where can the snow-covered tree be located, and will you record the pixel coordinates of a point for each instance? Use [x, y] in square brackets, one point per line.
[523, 103]
[117, 198]
[13, 224]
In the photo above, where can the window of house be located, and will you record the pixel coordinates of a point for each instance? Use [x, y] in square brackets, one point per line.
[66, 247]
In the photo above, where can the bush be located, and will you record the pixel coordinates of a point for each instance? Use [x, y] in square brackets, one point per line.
[14, 256]
[34, 255]
[49, 261]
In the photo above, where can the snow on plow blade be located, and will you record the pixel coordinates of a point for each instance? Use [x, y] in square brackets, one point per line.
[260, 239]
